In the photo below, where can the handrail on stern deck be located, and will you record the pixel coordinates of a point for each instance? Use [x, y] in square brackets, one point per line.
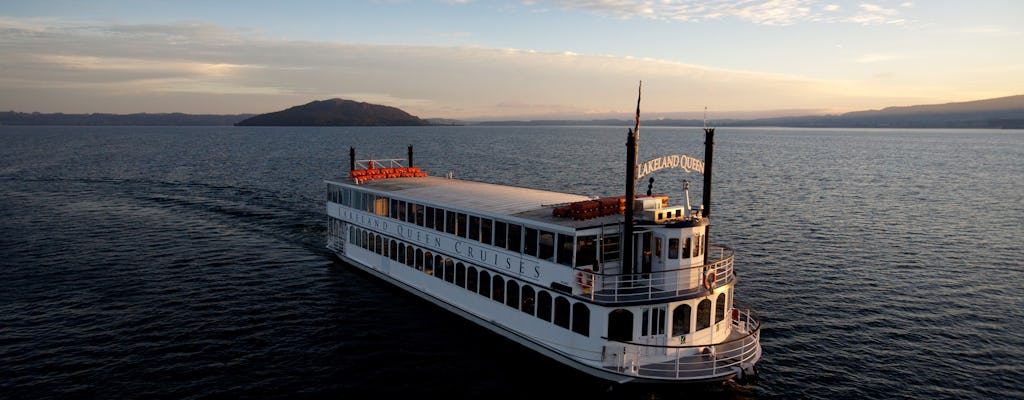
[693, 362]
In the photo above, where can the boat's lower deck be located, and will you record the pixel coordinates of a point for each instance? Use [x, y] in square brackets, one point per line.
[736, 355]
[573, 344]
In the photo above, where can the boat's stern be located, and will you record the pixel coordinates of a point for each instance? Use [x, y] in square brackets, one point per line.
[734, 357]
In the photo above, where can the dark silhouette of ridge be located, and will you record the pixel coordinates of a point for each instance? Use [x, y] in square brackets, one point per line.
[335, 112]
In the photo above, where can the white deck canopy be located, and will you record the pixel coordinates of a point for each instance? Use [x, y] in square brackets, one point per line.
[497, 200]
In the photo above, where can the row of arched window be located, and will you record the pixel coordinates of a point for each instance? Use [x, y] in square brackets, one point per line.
[539, 303]
[681, 315]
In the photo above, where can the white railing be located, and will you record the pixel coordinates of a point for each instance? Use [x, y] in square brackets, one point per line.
[640, 287]
[696, 362]
[381, 163]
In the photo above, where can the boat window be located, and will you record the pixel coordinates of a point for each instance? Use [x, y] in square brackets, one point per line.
[460, 275]
[704, 314]
[562, 312]
[544, 305]
[352, 234]
[438, 266]
[547, 246]
[381, 206]
[500, 234]
[565, 249]
[646, 243]
[645, 318]
[581, 319]
[372, 241]
[610, 248]
[696, 245]
[673, 249]
[410, 255]
[498, 289]
[384, 247]
[471, 276]
[620, 325]
[658, 320]
[449, 270]
[461, 221]
[401, 210]
[681, 320]
[363, 241]
[686, 248]
[428, 217]
[530, 242]
[515, 239]
[419, 259]
[485, 230]
[415, 214]
[377, 245]
[528, 299]
[485, 283]
[401, 253]
[586, 251]
[450, 223]
[474, 227]
[420, 217]
[394, 250]
[428, 263]
[393, 210]
[720, 308]
[657, 247]
[439, 219]
[512, 294]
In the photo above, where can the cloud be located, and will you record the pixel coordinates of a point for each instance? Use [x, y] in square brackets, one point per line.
[872, 14]
[760, 12]
[201, 68]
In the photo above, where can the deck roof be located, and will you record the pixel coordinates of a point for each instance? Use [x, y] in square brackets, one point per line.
[484, 198]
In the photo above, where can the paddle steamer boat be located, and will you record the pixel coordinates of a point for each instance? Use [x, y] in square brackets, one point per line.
[628, 288]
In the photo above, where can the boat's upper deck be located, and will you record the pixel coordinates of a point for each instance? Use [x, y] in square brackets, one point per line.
[483, 198]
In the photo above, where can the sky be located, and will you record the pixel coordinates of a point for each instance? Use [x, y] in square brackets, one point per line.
[530, 59]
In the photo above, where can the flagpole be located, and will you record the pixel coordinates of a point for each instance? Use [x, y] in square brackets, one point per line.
[631, 153]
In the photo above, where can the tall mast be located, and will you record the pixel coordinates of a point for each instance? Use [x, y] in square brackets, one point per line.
[631, 152]
[709, 146]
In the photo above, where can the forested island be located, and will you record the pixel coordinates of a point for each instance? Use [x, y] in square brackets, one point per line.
[336, 112]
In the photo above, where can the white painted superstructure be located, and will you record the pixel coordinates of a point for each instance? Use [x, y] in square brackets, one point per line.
[547, 269]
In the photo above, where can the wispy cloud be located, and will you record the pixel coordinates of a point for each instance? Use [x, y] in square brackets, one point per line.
[761, 12]
[201, 68]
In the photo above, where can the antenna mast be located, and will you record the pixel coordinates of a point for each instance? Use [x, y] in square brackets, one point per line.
[631, 153]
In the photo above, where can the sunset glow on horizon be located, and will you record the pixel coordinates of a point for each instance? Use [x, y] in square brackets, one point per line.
[493, 60]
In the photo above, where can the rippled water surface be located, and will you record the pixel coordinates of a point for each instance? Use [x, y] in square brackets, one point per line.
[142, 262]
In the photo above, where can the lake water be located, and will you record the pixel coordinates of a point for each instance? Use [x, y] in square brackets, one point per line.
[189, 262]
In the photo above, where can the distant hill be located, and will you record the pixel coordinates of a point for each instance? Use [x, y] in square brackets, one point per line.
[171, 119]
[335, 112]
[998, 113]
[1003, 112]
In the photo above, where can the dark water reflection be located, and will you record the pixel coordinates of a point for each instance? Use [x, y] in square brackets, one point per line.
[190, 262]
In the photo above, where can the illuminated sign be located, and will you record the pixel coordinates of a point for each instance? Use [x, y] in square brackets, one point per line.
[680, 161]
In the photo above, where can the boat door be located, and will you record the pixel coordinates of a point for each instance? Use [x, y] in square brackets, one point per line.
[652, 327]
[645, 261]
